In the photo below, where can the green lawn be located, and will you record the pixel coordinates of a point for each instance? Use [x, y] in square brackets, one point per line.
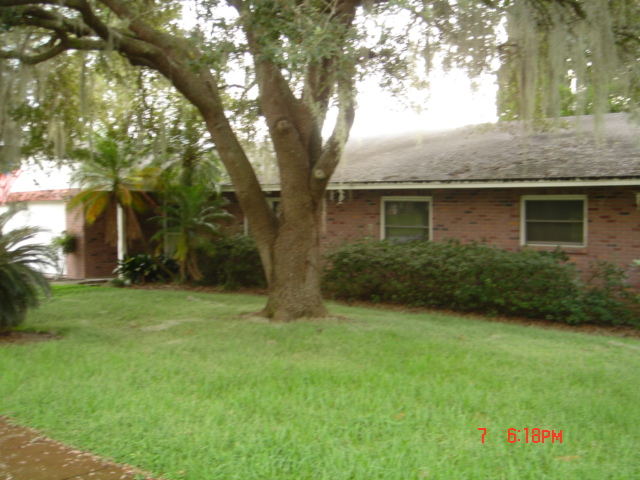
[176, 383]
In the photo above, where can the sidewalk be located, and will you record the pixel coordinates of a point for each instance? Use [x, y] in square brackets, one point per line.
[25, 454]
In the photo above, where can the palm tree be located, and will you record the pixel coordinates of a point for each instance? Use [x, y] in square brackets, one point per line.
[21, 284]
[191, 216]
[192, 207]
[107, 177]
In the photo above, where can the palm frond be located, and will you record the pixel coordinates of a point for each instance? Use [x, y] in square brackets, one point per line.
[20, 282]
[124, 195]
[110, 170]
[96, 206]
[193, 213]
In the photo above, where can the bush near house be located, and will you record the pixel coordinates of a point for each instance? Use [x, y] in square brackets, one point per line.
[478, 278]
[229, 261]
[233, 262]
[144, 268]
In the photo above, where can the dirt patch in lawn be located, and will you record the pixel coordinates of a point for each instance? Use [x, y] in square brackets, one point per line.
[27, 337]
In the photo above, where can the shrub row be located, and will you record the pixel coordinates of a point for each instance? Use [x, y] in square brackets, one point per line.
[462, 277]
[232, 262]
[478, 278]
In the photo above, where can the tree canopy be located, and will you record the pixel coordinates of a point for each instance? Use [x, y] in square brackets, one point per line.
[279, 66]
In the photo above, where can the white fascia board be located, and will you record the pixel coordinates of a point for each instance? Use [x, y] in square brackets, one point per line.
[467, 185]
[505, 184]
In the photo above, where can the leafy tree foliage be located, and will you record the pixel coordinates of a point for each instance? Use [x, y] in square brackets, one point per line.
[286, 63]
[21, 284]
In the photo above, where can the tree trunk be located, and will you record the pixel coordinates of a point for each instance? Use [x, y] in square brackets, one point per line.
[289, 246]
[294, 279]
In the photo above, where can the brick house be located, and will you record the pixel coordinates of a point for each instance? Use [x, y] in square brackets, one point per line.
[566, 187]
[575, 187]
[94, 257]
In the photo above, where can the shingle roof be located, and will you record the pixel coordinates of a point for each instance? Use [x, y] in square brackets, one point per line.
[500, 152]
[43, 195]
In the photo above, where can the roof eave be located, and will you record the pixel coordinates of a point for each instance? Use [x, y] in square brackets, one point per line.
[458, 184]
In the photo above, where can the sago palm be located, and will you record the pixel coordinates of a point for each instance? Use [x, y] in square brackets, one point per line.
[107, 178]
[191, 216]
[21, 284]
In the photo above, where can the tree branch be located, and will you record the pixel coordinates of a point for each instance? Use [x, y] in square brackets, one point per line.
[57, 49]
[138, 51]
[73, 4]
[332, 151]
[58, 44]
[319, 88]
[52, 21]
[170, 46]
[277, 102]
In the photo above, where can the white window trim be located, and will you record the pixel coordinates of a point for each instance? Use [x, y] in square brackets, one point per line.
[270, 201]
[523, 220]
[383, 226]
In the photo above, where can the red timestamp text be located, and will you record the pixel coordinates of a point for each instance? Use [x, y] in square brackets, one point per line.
[529, 435]
[533, 435]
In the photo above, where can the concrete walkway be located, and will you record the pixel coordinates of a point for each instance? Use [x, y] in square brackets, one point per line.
[25, 454]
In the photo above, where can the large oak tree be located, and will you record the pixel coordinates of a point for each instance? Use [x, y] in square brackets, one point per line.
[299, 59]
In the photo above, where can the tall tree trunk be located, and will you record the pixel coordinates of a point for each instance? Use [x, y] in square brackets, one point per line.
[294, 279]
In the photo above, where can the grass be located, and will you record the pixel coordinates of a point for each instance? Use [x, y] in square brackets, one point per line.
[176, 383]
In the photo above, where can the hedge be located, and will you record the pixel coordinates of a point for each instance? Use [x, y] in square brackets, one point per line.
[478, 278]
[233, 261]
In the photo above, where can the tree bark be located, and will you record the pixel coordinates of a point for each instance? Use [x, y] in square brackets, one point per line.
[294, 283]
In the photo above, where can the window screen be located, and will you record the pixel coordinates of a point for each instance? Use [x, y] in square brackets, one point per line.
[554, 222]
[405, 221]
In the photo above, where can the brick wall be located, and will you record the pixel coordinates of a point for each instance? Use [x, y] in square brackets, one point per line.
[492, 216]
[613, 230]
[95, 258]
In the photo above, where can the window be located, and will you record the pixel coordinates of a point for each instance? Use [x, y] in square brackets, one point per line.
[406, 218]
[554, 220]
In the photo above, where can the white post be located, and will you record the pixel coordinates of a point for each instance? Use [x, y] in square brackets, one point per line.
[122, 233]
